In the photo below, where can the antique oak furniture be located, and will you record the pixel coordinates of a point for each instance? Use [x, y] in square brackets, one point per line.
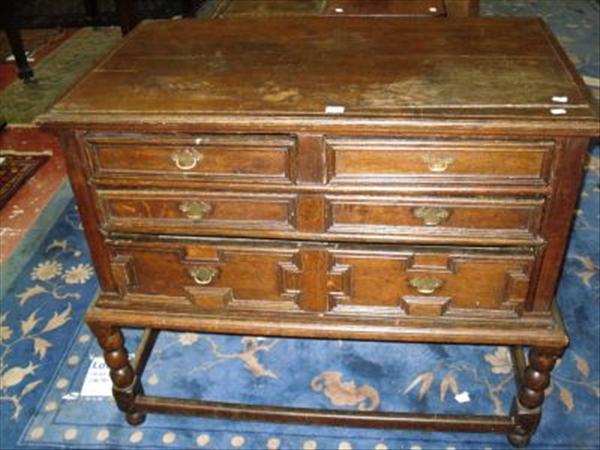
[356, 178]
[403, 8]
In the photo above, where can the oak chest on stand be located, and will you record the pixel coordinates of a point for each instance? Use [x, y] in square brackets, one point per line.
[353, 178]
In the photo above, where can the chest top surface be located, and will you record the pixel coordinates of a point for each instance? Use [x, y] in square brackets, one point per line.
[384, 69]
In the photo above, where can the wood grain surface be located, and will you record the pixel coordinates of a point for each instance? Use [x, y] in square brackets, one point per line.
[505, 69]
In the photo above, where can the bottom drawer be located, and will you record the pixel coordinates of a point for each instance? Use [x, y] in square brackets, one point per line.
[228, 275]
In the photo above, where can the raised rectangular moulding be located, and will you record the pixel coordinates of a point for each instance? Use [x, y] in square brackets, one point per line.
[230, 275]
[205, 157]
[485, 161]
[207, 276]
[425, 282]
[194, 211]
[331, 217]
[441, 217]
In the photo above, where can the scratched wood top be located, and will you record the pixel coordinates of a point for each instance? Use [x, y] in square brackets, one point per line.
[372, 67]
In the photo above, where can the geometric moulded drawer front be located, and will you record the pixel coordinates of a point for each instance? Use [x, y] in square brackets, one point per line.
[204, 277]
[462, 282]
[225, 275]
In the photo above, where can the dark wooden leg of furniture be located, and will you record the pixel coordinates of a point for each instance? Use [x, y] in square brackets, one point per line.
[128, 14]
[188, 8]
[91, 8]
[9, 23]
[532, 380]
[126, 383]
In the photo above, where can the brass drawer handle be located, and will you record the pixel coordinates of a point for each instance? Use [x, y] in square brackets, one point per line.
[195, 210]
[203, 275]
[438, 163]
[426, 285]
[186, 158]
[431, 215]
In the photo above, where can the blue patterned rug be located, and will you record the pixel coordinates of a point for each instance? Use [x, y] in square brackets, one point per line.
[47, 353]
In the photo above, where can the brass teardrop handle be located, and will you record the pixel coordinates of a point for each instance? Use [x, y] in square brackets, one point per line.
[438, 163]
[186, 158]
[426, 285]
[195, 210]
[431, 215]
[203, 275]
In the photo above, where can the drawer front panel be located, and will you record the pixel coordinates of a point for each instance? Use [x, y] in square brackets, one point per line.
[204, 157]
[305, 278]
[434, 216]
[192, 212]
[315, 217]
[431, 283]
[388, 161]
[206, 277]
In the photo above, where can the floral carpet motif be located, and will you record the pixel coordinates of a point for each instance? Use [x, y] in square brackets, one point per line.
[47, 351]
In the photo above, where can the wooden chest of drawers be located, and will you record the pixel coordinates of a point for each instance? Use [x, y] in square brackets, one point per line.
[382, 179]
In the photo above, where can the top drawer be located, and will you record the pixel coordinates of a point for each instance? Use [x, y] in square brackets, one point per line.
[208, 157]
[385, 161]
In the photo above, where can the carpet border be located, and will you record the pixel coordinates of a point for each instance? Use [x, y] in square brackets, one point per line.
[24, 252]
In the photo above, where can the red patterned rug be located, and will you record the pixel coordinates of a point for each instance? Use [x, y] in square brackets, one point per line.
[16, 167]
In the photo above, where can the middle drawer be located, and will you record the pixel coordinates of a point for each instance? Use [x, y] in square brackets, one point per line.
[322, 216]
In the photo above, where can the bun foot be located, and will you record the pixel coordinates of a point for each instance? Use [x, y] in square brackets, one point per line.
[519, 439]
[135, 418]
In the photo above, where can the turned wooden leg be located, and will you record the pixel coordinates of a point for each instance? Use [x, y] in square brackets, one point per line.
[127, 11]
[126, 384]
[91, 9]
[188, 8]
[527, 406]
[8, 22]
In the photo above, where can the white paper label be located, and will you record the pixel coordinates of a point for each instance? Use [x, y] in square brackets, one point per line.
[97, 382]
[433, 9]
[560, 99]
[558, 111]
[332, 109]
[463, 397]
[339, 10]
